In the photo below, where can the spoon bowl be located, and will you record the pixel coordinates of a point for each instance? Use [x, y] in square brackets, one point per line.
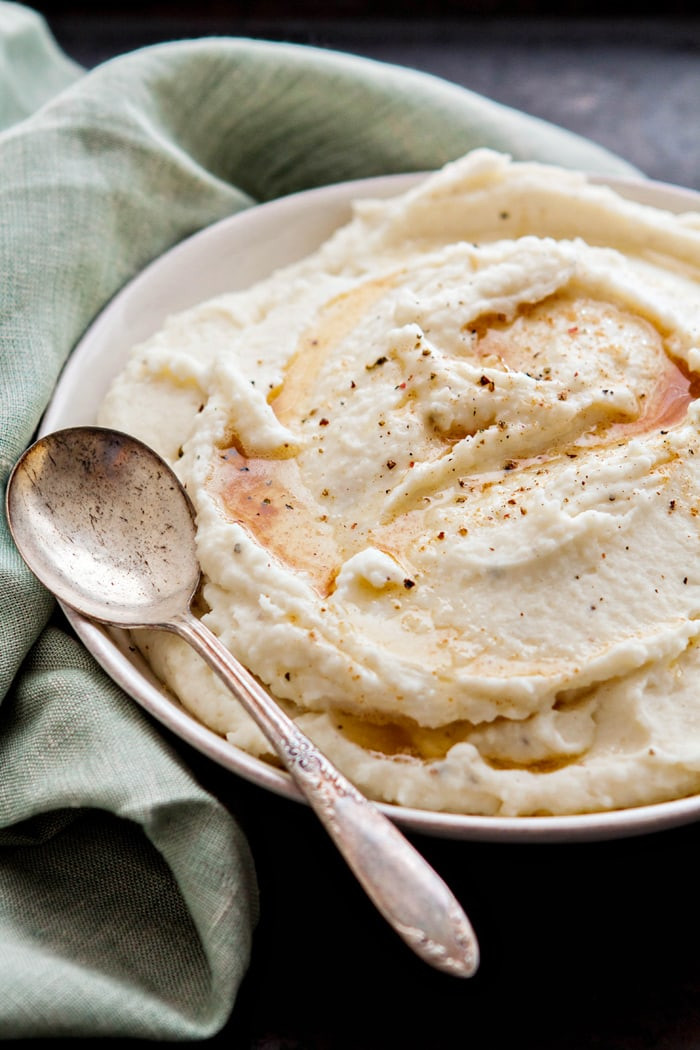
[105, 524]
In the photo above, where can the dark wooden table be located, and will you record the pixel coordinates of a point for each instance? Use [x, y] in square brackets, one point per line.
[584, 946]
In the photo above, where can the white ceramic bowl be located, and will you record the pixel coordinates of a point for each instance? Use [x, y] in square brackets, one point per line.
[230, 255]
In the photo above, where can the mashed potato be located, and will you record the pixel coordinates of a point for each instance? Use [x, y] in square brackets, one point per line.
[446, 476]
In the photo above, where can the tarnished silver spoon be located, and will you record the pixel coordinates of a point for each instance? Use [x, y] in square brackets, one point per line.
[104, 523]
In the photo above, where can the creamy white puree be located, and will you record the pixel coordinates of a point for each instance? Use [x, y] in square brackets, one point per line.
[446, 480]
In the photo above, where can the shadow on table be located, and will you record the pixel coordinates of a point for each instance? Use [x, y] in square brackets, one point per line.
[583, 946]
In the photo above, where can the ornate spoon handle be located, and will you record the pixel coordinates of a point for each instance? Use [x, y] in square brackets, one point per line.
[407, 891]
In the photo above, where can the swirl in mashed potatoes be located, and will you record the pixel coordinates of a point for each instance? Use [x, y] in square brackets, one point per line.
[447, 485]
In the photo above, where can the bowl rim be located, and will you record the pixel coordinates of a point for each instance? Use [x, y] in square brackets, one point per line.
[111, 648]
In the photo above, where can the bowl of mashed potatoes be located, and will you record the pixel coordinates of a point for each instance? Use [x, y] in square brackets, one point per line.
[445, 463]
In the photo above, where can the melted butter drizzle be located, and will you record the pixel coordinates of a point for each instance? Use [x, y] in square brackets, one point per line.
[268, 496]
[270, 499]
[675, 391]
[336, 320]
[508, 340]
[407, 739]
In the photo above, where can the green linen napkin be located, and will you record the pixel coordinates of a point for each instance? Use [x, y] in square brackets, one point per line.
[127, 893]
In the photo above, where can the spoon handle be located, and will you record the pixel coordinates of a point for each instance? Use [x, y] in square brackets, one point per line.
[406, 890]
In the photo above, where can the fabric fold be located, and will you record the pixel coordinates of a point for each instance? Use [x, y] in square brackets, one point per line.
[32, 67]
[127, 894]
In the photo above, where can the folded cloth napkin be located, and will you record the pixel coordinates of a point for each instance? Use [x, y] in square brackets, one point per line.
[127, 893]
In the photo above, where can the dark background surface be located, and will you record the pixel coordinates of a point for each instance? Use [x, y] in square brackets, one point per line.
[584, 946]
[630, 84]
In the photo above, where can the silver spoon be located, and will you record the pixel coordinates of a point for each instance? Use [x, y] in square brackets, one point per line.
[104, 523]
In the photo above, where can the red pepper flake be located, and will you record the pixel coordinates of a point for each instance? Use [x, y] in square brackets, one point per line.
[323, 422]
[485, 381]
[391, 463]
[441, 535]
[573, 330]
